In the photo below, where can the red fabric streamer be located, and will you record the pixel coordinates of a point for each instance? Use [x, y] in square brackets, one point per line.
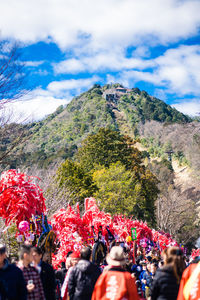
[73, 231]
[195, 253]
[20, 198]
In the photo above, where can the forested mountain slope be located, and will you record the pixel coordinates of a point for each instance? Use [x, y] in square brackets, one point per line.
[111, 106]
[158, 128]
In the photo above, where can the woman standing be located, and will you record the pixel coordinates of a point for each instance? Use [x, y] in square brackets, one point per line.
[166, 281]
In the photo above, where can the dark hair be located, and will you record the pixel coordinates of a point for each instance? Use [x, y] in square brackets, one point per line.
[149, 258]
[2, 249]
[155, 264]
[86, 253]
[69, 253]
[174, 257]
[24, 249]
[38, 250]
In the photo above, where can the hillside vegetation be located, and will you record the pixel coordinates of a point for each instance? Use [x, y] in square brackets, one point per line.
[158, 129]
[59, 135]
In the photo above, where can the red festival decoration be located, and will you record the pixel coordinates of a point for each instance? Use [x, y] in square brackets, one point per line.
[22, 203]
[195, 253]
[73, 231]
[20, 198]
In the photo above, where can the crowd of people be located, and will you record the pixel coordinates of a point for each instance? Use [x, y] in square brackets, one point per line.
[166, 275]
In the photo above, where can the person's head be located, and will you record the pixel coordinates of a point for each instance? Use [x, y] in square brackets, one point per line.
[68, 262]
[149, 267]
[46, 257]
[154, 267]
[25, 253]
[75, 257]
[2, 254]
[86, 253]
[116, 257]
[173, 256]
[149, 258]
[37, 255]
[160, 264]
[144, 266]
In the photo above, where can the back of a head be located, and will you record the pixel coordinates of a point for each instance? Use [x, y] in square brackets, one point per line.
[24, 249]
[2, 248]
[173, 256]
[86, 253]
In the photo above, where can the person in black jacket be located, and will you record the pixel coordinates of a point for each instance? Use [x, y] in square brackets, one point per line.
[83, 277]
[47, 274]
[12, 283]
[165, 284]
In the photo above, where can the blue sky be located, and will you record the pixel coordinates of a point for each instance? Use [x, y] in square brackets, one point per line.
[68, 45]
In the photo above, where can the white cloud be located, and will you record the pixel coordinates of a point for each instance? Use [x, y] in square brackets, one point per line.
[40, 103]
[97, 34]
[177, 70]
[59, 88]
[99, 24]
[141, 51]
[69, 66]
[33, 109]
[33, 63]
[180, 68]
[191, 107]
[113, 59]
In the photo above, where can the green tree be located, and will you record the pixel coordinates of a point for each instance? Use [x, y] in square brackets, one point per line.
[107, 147]
[115, 192]
[99, 154]
[121, 191]
[72, 176]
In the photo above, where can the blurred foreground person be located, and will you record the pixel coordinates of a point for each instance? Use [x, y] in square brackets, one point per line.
[31, 275]
[165, 284]
[46, 274]
[83, 277]
[190, 281]
[12, 283]
[115, 283]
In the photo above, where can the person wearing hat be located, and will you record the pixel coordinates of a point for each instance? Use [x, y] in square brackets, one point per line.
[115, 283]
[12, 282]
[75, 257]
[83, 277]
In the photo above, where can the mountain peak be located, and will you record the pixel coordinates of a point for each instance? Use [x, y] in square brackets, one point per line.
[110, 106]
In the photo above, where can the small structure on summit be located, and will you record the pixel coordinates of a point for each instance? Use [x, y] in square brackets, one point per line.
[115, 93]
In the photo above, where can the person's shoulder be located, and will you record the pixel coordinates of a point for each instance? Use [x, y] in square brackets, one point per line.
[14, 269]
[95, 266]
[96, 269]
[164, 273]
[46, 266]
